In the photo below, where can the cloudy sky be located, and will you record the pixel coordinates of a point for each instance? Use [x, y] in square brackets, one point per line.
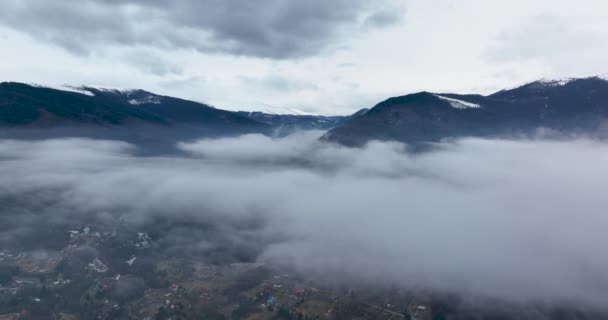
[330, 57]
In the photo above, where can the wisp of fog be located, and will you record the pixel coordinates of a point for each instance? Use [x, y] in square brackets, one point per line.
[514, 219]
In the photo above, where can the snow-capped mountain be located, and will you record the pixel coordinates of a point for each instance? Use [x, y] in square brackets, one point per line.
[572, 105]
[43, 105]
[38, 105]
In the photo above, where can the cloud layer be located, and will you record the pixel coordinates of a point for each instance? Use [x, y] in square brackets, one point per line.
[510, 219]
[269, 28]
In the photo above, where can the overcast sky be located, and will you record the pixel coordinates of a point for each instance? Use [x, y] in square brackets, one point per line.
[322, 56]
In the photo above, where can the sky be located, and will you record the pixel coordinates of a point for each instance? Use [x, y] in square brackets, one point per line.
[327, 57]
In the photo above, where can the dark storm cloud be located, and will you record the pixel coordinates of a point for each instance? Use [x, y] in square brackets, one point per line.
[478, 217]
[268, 28]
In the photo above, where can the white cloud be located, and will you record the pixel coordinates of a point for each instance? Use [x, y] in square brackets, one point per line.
[477, 217]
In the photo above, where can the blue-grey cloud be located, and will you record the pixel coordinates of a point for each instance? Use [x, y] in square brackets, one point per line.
[274, 29]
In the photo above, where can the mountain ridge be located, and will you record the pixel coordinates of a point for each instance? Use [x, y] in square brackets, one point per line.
[568, 105]
[34, 105]
[576, 105]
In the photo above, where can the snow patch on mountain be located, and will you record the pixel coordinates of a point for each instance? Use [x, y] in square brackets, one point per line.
[146, 100]
[117, 91]
[66, 88]
[284, 111]
[458, 104]
[556, 82]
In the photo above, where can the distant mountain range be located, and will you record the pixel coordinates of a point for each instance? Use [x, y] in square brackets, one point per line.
[285, 120]
[566, 106]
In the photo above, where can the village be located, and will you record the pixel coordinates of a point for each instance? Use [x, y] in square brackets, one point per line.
[106, 275]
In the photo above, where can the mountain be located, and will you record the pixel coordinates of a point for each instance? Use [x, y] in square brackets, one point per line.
[567, 106]
[289, 120]
[24, 105]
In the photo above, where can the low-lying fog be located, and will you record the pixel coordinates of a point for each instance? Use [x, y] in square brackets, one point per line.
[521, 219]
